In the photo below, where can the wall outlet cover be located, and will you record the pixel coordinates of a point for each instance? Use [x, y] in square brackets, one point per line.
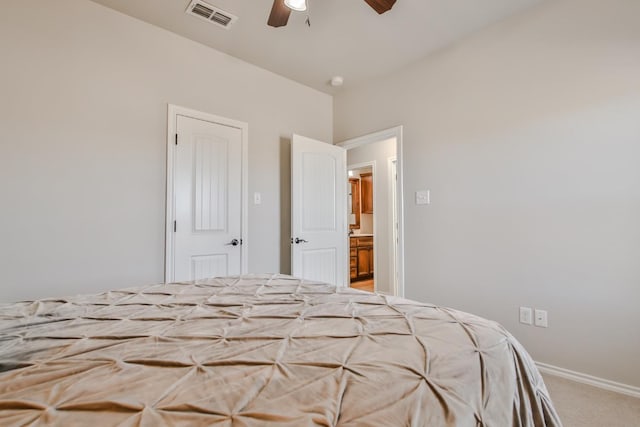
[541, 318]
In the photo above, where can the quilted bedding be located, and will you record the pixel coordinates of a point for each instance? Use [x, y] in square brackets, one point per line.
[260, 350]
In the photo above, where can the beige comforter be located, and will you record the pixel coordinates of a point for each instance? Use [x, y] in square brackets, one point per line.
[260, 350]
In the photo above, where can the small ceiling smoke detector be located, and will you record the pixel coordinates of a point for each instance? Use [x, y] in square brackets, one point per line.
[211, 14]
[337, 81]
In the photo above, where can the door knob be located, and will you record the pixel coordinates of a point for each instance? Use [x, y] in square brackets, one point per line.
[298, 241]
[234, 242]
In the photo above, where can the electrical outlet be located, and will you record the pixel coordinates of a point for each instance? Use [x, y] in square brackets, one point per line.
[541, 318]
[526, 315]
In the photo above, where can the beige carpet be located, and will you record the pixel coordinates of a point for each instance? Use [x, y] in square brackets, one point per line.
[581, 405]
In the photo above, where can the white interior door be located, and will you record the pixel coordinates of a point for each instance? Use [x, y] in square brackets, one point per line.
[207, 234]
[318, 211]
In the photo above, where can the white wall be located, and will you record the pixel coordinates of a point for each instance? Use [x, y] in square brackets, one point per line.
[84, 93]
[379, 153]
[528, 136]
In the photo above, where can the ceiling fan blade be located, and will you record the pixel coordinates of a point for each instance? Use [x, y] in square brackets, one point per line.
[381, 6]
[279, 14]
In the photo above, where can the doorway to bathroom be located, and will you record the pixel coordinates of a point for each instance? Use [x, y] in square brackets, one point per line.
[374, 211]
[361, 214]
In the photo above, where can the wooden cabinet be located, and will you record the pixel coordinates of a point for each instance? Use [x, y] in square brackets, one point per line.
[353, 262]
[361, 258]
[366, 192]
[365, 263]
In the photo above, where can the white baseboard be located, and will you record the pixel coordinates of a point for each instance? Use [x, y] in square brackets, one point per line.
[589, 379]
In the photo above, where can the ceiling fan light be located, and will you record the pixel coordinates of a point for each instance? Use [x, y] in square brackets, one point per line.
[297, 5]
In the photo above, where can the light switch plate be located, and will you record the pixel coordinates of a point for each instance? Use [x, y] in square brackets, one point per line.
[257, 198]
[423, 197]
[526, 315]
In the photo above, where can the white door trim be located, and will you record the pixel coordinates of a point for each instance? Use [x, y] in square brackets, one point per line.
[393, 214]
[173, 111]
[394, 132]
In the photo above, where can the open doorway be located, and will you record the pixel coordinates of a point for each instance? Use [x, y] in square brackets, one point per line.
[375, 212]
[361, 214]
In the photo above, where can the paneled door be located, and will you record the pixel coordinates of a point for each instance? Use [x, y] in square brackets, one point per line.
[319, 211]
[207, 234]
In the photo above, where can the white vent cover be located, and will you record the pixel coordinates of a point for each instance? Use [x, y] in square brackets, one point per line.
[210, 13]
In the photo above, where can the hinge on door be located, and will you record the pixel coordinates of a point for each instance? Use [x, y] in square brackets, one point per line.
[175, 226]
[176, 139]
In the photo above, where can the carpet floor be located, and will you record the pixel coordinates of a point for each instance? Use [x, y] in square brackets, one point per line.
[581, 405]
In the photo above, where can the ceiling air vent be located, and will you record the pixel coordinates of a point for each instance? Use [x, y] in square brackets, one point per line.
[210, 13]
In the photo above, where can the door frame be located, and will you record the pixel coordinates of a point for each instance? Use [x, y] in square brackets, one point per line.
[372, 165]
[173, 111]
[392, 165]
[394, 132]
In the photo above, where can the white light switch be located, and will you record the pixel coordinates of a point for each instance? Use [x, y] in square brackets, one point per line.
[526, 315]
[257, 198]
[423, 197]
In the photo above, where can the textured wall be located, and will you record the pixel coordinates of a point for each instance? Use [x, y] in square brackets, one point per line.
[83, 115]
[528, 135]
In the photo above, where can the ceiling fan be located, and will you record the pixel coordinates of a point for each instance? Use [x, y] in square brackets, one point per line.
[281, 9]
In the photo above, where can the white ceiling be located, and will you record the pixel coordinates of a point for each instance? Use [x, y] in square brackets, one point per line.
[346, 37]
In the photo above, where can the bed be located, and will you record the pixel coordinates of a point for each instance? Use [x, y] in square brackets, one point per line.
[260, 350]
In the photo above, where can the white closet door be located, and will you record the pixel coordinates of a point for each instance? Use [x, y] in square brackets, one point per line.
[208, 200]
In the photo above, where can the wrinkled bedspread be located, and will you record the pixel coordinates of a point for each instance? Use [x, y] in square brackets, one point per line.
[260, 350]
